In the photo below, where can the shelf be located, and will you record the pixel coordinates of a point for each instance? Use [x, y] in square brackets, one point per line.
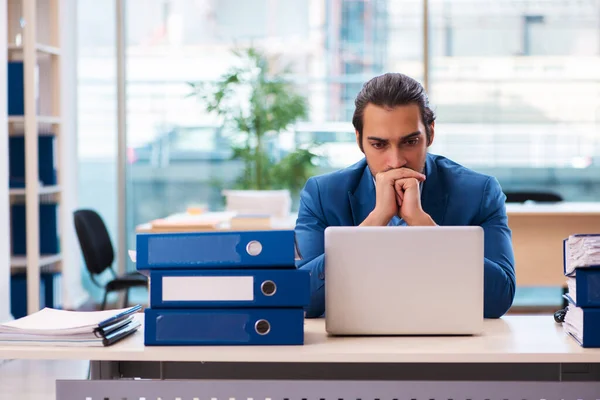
[42, 190]
[41, 119]
[40, 48]
[38, 116]
[21, 261]
[46, 269]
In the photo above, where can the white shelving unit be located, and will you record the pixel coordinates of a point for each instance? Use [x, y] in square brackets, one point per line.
[34, 38]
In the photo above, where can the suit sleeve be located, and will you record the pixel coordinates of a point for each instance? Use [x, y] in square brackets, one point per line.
[310, 228]
[499, 269]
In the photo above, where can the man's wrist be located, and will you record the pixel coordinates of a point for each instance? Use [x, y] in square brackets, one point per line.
[375, 219]
[421, 219]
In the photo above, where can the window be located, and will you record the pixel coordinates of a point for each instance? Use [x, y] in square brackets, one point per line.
[97, 111]
[179, 156]
[515, 85]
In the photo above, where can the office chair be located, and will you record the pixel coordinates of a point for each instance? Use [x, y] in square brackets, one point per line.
[99, 255]
[540, 197]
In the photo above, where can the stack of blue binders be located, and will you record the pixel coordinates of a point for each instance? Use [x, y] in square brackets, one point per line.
[223, 288]
[581, 259]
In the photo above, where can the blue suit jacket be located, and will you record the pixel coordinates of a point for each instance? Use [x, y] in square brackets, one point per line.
[451, 195]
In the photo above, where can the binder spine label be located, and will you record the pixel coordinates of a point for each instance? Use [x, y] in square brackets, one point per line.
[166, 249]
[241, 288]
[208, 288]
[215, 327]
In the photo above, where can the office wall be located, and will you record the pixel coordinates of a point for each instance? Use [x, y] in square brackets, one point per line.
[4, 215]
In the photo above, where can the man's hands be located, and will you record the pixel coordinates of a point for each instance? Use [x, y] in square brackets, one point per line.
[409, 202]
[397, 193]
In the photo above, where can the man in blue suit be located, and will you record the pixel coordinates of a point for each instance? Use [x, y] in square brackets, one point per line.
[399, 183]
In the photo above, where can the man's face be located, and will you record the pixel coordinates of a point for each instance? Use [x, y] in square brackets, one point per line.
[394, 138]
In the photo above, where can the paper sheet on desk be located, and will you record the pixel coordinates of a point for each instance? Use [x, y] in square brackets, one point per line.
[50, 321]
[573, 323]
[63, 328]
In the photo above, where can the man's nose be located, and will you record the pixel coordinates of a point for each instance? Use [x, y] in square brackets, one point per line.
[396, 160]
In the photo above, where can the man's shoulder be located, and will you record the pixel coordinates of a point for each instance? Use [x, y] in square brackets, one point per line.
[455, 174]
[328, 192]
[469, 192]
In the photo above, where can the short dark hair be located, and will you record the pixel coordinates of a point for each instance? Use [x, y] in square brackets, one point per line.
[391, 90]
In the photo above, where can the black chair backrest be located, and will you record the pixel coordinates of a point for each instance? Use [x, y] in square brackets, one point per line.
[94, 240]
[541, 197]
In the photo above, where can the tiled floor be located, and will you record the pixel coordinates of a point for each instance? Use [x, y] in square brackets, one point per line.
[36, 379]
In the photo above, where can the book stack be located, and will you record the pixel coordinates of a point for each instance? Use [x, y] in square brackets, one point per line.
[582, 269]
[223, 288]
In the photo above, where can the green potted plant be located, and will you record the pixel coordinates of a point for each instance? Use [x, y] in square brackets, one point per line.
[259, 104]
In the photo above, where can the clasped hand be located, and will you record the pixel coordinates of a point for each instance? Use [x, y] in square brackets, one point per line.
[397, 193]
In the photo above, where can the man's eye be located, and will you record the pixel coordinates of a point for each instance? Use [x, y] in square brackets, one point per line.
[412, 142]
[377, 145]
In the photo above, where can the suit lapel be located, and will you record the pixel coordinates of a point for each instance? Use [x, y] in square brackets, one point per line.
[362, 200]
[434, 196]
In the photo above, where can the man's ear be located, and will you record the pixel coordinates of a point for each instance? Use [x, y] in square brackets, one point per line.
[431, 134]
[358, 141]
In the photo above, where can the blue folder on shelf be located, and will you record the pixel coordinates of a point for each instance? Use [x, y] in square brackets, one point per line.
[229, 288]
[221, 249]
[16, 88]
[214, 327]
[46, 161]
[583, 324]
[49, 229]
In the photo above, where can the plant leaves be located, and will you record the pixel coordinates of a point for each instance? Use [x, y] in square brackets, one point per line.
[259, 104]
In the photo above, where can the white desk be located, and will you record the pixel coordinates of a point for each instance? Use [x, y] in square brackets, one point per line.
[511, 339]
[516, 357]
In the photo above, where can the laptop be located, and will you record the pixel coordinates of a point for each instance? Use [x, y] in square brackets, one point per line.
[404, 280]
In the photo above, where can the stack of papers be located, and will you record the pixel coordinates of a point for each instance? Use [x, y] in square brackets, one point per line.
[582, 262]
[71, 328]
[572, 288]
[573, 323]
[581, 251]
[250, 222]
[186, 222]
